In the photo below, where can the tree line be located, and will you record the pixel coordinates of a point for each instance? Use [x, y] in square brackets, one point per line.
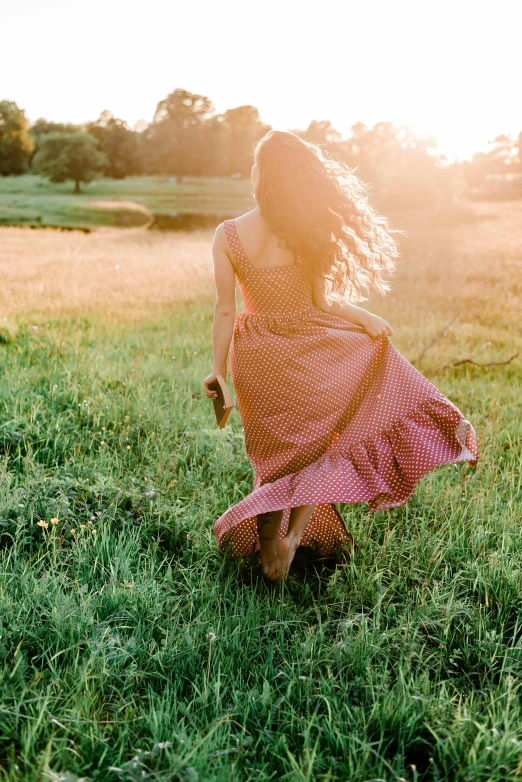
[188, 138]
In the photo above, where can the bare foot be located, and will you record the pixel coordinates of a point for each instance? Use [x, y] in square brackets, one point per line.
[268, 525]
[268, 554]
[278, 567]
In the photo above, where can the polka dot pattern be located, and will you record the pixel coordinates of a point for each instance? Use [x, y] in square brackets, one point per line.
[329, 414]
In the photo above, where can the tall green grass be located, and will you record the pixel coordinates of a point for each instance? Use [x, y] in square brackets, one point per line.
[139, 652]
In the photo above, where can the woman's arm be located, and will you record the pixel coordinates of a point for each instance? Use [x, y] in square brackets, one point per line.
[336, 305]
[224, 310]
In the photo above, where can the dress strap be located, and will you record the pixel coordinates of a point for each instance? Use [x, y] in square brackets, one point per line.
[235, 245]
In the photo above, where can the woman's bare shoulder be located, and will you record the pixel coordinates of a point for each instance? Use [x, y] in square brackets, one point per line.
[250, 219]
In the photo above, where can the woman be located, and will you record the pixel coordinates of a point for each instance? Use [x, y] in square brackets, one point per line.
[331, 410]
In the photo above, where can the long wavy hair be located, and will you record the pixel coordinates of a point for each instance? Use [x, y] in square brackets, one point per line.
[319, 209]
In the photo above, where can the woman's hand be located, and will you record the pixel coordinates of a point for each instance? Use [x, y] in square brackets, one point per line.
[336, 305]
[210, 379]
[375, 326]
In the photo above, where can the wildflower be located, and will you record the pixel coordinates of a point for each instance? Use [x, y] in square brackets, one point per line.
[128, 447]
[73, 532]
[54, 521]
[127, 417]
[162, 745]
[102, 442]
[94, 531]
[42, 524]
[212, 637]
[90, 521]
[82, 526]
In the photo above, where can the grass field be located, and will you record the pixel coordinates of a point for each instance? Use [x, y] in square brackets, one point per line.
[130, 649]
[33, 200]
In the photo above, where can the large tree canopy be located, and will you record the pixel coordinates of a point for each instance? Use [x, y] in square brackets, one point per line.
[321, 132]
[186, 138]
[400, 166]
[242, 130]
[16, 145]
[43, 127]
[497, 171]
[64, 156]
[174, 139]
[119, 145]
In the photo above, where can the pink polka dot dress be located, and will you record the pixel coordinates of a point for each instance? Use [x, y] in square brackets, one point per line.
[329, 414]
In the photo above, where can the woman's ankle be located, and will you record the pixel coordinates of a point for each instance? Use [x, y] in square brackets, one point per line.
[293, 539]
[268, 545]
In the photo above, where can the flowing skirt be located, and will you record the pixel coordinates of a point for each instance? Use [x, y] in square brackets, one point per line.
[331, 415]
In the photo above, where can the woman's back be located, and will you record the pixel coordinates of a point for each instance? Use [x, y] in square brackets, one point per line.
[269, 284]
[261, 247]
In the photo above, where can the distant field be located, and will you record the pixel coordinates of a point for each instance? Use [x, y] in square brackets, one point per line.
[131, 650]
[34, 200]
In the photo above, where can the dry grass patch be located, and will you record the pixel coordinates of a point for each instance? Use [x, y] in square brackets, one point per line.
[113, 271]
[465, 260]
[133, 205]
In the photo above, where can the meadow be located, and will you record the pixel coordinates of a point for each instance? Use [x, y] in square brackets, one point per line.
[34, 201]
[130, 649]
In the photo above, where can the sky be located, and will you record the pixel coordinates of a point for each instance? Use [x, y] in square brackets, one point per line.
[451, 70]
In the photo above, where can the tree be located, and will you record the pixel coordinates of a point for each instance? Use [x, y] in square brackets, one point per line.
[400, 165]
[64, 156]
[321, 132]
[503, 154]
[493, 171]
[43, 127]
[16, 144]
[174, 138]
[213, 147]
[243, 128]
[119, 145]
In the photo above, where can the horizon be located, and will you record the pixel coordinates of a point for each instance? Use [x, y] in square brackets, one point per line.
[448, 72]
